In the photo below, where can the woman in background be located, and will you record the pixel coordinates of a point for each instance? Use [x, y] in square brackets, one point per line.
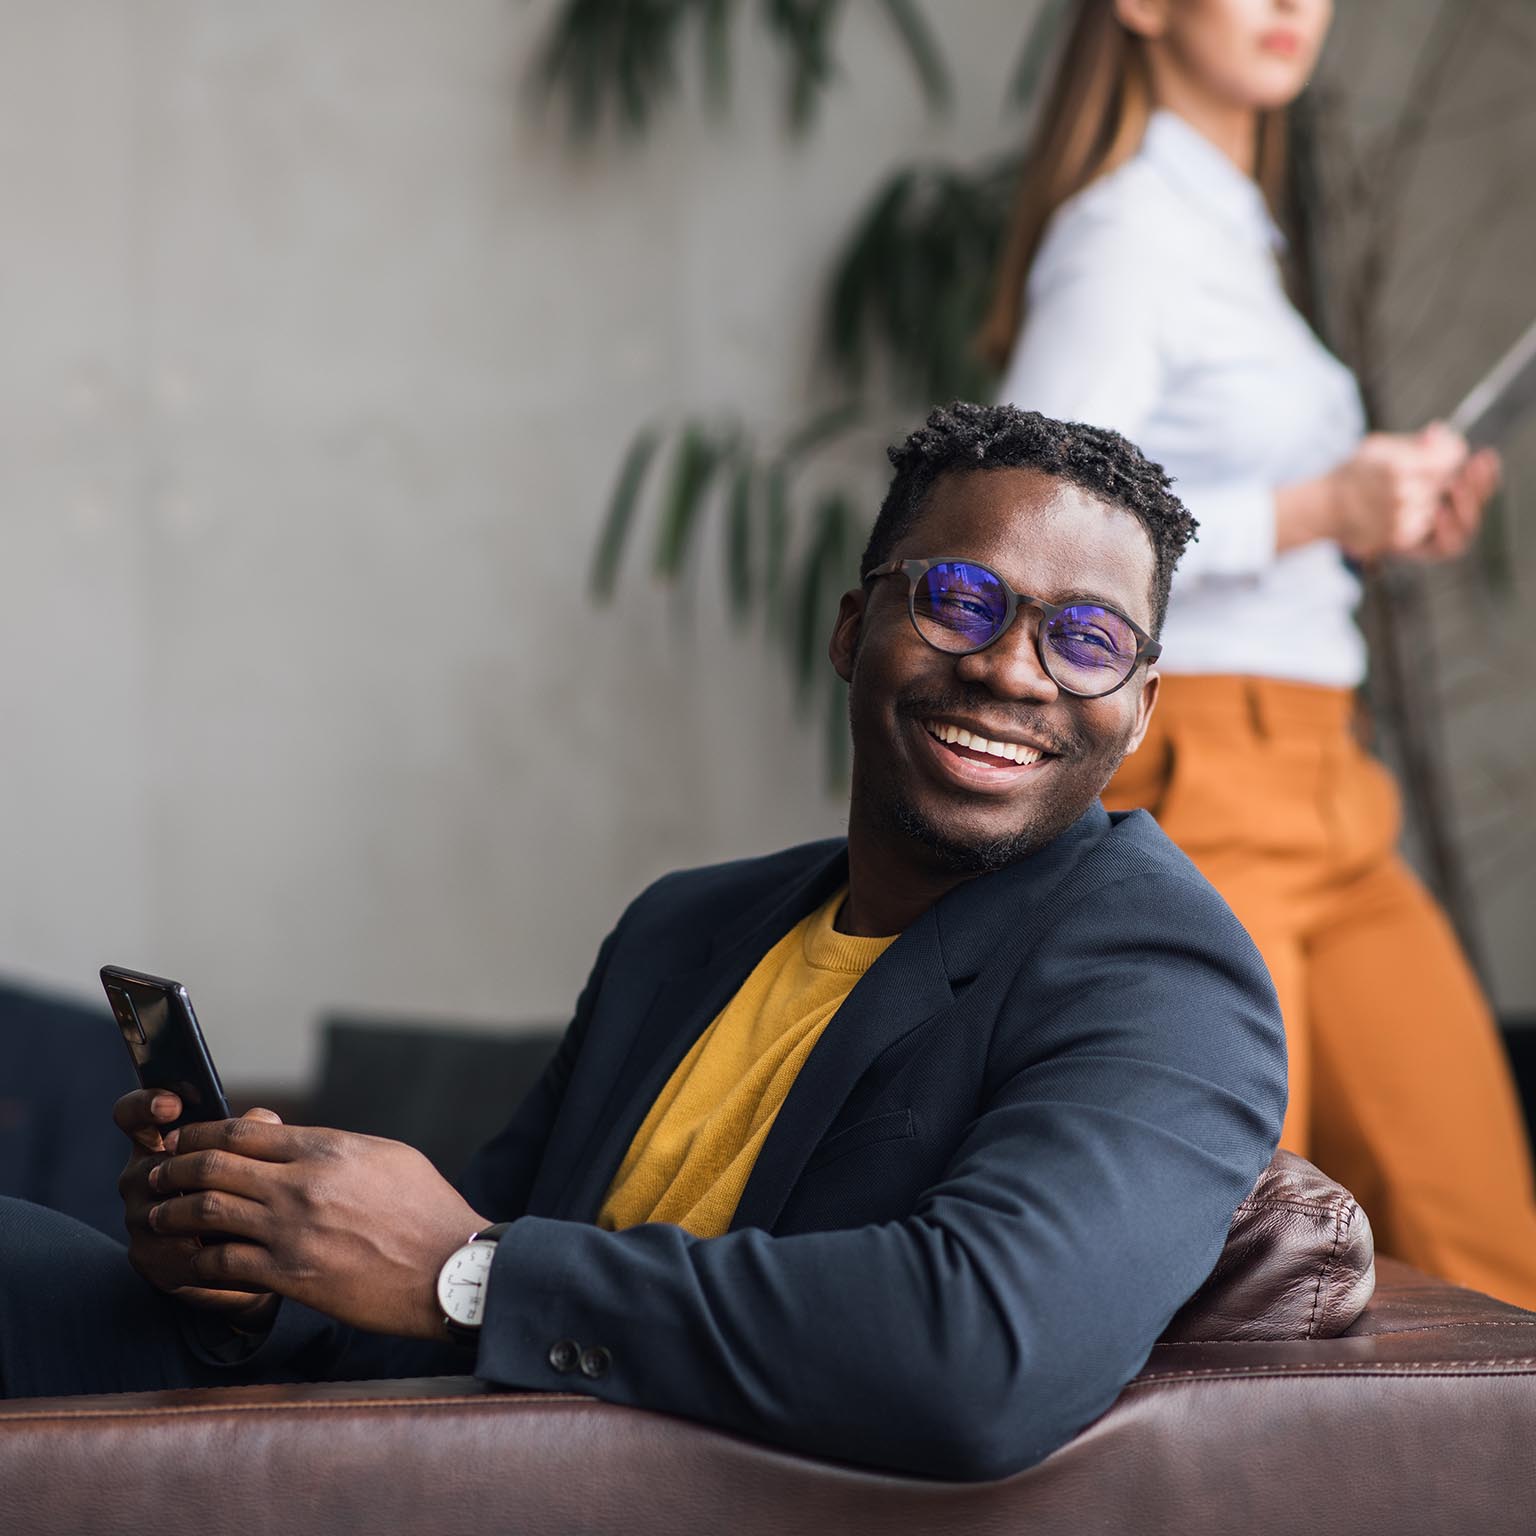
[1142, 290]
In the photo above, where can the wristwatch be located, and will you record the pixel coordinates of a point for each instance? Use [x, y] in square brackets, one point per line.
[462, 1282]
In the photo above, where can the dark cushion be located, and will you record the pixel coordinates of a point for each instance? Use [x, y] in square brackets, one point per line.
[62, 1065]
[444, 1089]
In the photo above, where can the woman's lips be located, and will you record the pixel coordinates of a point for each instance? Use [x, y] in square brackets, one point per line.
[1286, 44]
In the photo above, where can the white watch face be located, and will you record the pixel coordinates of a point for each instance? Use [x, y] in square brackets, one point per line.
[462, 1281]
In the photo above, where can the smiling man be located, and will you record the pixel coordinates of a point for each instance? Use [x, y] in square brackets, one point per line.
[902, 1150]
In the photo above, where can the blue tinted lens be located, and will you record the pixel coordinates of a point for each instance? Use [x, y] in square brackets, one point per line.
[959, 607]
[1089, 649]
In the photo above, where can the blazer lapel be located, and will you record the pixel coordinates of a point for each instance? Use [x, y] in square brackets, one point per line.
[680, 1011]
[905, 986]
[913, 980]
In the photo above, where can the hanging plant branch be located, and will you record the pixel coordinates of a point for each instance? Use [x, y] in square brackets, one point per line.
[1039, 43]
[717, 465]
[791, 583]
[913, 282]
[617, 61]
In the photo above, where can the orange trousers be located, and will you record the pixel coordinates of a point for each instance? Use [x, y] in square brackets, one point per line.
[1399, 1087]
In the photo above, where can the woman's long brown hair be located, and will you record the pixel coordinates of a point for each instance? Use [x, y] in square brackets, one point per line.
[1092, 121]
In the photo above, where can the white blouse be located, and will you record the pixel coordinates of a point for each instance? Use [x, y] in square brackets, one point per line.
[1155, 306]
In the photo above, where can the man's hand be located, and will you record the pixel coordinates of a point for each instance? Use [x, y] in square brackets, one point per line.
[164, 1261]
[353, 1226]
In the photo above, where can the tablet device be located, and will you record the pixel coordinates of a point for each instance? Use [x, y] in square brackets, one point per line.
[1497, 402]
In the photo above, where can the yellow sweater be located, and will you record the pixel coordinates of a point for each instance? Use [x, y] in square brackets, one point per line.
[691, 1158]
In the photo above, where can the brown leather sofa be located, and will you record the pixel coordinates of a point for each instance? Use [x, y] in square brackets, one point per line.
[1285, 1397]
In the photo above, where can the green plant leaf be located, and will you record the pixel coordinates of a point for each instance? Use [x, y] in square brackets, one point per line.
[615, 57]
[915, 279]
[860, 272]
[776, 520]
[824, 571]
[922, 49]
[715, 42]
[738, 536]
[803, 30]
[819, 431]
[1039, 42]
[621, 512]
[694, 463]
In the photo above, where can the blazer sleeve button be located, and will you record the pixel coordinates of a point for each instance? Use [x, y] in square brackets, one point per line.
[595, 1362]
[564, 1354]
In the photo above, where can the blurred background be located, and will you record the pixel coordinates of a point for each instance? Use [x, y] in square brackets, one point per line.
[354, 348]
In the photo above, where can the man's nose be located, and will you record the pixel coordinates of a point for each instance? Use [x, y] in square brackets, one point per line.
[1010, 667]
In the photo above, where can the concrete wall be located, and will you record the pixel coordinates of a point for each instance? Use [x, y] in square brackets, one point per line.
[319, 354]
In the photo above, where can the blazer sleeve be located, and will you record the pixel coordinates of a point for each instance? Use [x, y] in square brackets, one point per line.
[1099, 344]
[1088, 1200]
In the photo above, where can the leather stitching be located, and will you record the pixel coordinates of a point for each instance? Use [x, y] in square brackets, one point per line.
[1380, 1333]
[1523, 1366]
[193, 1410]
[1323, 1268]
[1275, 1202]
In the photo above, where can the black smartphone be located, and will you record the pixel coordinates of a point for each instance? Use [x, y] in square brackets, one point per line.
[159, 1028]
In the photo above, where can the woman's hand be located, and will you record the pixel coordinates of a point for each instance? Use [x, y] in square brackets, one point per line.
[1389, 498]
[165, 1260]
[1460, 513]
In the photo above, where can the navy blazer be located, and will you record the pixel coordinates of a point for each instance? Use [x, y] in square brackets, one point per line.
[1013, 1154]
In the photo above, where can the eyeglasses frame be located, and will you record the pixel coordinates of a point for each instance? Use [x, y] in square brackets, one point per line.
[1147, 649]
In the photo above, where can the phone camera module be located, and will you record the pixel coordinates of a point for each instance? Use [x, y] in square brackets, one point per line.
[127, 1016]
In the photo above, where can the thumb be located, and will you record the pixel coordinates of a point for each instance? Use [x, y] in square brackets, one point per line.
[271, 1116]
[1446, 447]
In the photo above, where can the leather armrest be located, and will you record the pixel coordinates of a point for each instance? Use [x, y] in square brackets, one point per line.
[1298, 1263]
[1419, 1419]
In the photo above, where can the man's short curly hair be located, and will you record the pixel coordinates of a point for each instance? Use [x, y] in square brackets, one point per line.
[962, 437]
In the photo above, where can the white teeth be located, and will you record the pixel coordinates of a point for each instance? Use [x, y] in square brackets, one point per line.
[1010, 751]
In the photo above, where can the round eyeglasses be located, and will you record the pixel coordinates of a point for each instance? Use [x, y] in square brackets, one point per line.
[959, 607]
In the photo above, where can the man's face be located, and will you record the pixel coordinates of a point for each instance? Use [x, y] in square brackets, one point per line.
[958, 809]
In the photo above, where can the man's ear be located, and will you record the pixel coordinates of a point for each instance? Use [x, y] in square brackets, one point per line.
[843, 647]
[1146, 18]
[1146, 702]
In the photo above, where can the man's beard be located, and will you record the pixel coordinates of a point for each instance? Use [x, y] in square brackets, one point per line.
[892, 814]
[975, 858]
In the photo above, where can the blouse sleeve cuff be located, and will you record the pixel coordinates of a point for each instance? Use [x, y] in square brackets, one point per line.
[1236, 536]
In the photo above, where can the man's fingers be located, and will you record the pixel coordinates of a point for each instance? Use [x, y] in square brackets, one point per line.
[208, 1213]
[268, 1141]
[234, 1267]
[213, 1169]
[142, 1113]
[271, 1116]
